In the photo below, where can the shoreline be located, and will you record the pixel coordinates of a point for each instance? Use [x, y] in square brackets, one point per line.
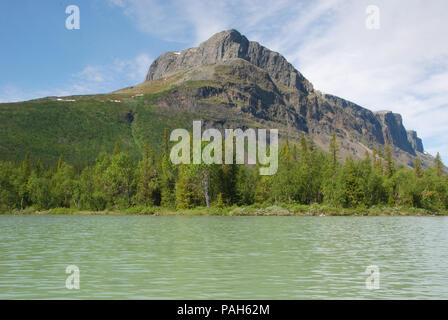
[254, 210]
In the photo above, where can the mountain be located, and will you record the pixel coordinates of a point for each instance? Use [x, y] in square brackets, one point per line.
[228, 82]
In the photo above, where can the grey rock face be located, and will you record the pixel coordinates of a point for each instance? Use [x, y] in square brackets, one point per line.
[229, 45]
[262, 83]
[415, 141]
[394, 131]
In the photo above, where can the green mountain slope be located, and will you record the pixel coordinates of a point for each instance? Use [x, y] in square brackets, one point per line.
[80, 129]
[227, 82]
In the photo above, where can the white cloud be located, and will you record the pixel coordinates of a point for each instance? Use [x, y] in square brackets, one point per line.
[402, 67]
[92, 79]
[118, 74]
[11, 93]
[118, 3]
[93, 74]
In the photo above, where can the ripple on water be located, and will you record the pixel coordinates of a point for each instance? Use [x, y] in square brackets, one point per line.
[143, 257]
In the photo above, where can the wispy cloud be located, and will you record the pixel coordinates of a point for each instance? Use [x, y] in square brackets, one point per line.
[107, 77]
[91, 79]
[402, 67]
[11, 93]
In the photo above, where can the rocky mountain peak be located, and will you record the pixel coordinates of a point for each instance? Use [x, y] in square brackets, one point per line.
[395, 133]
[415, 141]
[228, 45]
[241, 79]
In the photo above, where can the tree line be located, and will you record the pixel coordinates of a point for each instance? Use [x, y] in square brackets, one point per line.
[305, 175]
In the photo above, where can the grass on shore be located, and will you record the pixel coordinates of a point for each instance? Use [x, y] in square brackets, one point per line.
[253, 210]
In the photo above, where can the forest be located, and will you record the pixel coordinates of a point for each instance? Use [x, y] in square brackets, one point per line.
[306, 176]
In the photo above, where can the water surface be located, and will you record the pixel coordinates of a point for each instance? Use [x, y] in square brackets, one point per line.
[179, 257]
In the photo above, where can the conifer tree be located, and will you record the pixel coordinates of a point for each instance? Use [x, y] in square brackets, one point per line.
[23, 180]
[438, 165]
[165, 141]
[143, 194]
[311, 144]
[26, 166]
[167, 176]
[389, 163]
[294, 152]
[146, 151]
[418, 171]
[379, 162]
[305, 177]
[262, 189]
[334, 148]
[116, 148]
[184, 189]
[59, 162]
[352, 191]
[219, 202]
[330, 185]
[227, 178]
[303, 146]
[38, 168]
[283, 184]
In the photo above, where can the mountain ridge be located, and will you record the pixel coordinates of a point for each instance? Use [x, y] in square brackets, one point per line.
[311, 106]
[228, 45]
[228, 82]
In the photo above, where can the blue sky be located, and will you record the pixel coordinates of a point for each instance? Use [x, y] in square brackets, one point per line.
[402, 66]
[40, 56]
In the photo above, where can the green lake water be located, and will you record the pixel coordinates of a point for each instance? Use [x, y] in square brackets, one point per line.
[180, 257]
